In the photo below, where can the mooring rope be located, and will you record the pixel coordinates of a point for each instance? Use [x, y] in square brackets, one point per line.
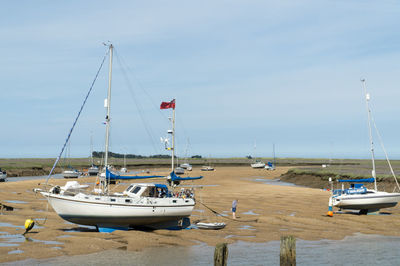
[220, 214]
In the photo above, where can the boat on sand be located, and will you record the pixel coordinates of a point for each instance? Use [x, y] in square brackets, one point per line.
[358, 196]
[211, 226]
[143, 204]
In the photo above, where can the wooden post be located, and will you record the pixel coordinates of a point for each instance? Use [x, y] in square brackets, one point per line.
[221, 254]
[288, 251]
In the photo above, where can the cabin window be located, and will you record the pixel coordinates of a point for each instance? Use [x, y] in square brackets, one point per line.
[129, 187]
[128, 201]
[86, 197]
[97, 198]
[113, 200]
[136, 190]
[174, 201]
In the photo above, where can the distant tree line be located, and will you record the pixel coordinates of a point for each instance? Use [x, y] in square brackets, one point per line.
[100, 154]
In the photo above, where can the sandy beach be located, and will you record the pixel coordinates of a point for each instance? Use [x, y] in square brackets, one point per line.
[265, 213]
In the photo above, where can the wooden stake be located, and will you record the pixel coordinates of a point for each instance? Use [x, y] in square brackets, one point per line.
[288, 251]
[221, 254]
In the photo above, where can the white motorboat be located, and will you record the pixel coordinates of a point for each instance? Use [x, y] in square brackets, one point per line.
[358, 197]
[3, 176]
[258, 164]
[138, 205]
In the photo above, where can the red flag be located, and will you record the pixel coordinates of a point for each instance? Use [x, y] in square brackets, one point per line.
[167, 105]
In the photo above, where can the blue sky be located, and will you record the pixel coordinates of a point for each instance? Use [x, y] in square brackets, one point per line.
[242, 72]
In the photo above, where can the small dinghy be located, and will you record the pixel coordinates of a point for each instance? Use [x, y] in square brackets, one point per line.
[210, 226]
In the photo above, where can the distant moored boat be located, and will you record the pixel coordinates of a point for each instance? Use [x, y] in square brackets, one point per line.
[3, 176]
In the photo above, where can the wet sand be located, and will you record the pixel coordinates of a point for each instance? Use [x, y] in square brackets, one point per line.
[279, 210]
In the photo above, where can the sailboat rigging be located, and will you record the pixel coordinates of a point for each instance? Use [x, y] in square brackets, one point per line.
[142, 204]
[358, 197]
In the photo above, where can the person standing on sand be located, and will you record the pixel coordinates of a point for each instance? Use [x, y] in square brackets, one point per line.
[234, 205]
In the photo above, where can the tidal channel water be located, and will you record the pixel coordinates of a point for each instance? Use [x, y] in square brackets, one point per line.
[353, 250]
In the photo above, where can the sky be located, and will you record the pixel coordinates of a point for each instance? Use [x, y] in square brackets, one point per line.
[245, 75]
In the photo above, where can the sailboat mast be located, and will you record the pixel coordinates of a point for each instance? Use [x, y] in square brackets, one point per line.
[108, 103]
[91, 148]
[367, 98]
[173, 139]
[273, 151]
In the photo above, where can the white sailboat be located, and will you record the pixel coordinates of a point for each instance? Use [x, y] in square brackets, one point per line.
[257, 163]
[70, 172]
[358, 197]
[208, 166]
[271, 165]
[146, 204]
[186, 165]
[124, 169]
[93, 169]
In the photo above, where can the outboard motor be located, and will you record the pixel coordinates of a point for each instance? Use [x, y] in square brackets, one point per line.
[55, 190]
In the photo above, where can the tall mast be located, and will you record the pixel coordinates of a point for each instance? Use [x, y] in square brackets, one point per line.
[273, 151]
[367, 98]
[173, 139]
[91, 148]
[108, 103]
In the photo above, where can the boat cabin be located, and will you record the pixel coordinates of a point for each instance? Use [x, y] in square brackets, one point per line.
[352, 190]
[147, 190]
[356, 187]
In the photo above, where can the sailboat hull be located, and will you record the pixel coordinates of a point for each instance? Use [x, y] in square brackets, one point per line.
[70, 174]
[77, 209]
[370, 201]
[93, 171]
